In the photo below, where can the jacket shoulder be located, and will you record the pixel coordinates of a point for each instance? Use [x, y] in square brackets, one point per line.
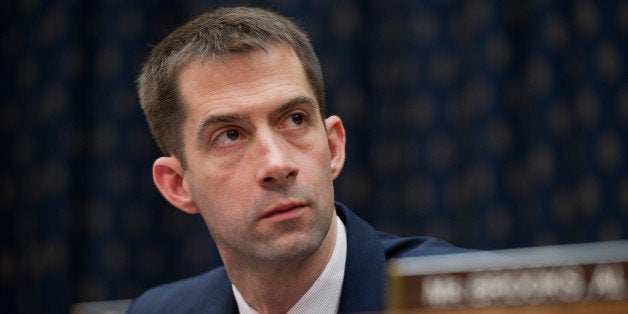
[396, 247]
[211, 290]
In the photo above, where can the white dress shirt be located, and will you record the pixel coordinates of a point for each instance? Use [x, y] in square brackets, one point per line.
[324, 295]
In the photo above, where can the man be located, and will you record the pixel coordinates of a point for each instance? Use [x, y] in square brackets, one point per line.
[235, 100]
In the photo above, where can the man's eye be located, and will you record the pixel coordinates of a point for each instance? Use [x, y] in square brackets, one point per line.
[297, 118]
[294, 121]
[227, 137]
[232, 134]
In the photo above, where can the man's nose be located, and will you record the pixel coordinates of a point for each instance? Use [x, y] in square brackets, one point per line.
[277, 166]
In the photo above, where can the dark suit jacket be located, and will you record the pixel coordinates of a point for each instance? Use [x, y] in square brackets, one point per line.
[363, 288]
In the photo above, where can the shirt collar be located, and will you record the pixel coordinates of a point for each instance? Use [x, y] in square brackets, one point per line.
[324, 295]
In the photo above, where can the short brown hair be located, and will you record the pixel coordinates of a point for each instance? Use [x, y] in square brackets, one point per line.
[212, 35]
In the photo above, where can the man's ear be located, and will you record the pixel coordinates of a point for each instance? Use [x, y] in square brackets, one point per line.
[169, 177]
[336, 139]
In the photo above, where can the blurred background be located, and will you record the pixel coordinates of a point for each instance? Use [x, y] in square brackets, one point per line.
[491, 124]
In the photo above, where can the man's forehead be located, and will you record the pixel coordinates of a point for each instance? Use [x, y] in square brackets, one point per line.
[240, 67]
[243, 75]
[229, 87]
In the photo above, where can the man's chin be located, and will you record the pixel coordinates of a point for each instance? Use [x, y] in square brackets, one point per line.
[290, 248]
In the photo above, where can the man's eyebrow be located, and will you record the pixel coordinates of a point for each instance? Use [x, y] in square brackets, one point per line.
[294, 102]
[230, 118]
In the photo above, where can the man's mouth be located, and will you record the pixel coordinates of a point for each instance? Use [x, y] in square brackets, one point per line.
[284, 211]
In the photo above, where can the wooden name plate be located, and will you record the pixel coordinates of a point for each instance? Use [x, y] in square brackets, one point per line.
[579, 278]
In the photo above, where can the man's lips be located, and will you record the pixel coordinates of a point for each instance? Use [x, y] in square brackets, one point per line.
[283, 209]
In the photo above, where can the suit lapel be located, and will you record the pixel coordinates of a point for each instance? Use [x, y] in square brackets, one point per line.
[363, 286]
[364, 282]
[220, 297]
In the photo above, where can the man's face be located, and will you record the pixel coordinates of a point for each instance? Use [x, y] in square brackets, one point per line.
[261, 163]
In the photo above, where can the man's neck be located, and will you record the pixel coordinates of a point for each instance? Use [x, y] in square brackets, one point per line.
[273, 288]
